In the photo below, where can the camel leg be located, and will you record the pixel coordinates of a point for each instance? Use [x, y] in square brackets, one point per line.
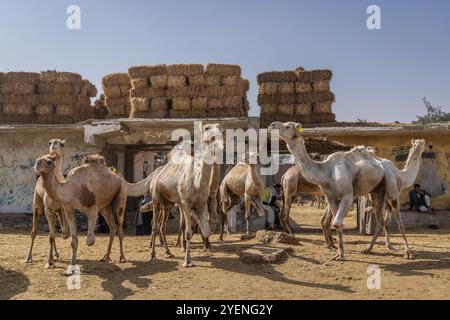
[181, 241]
[51, 238]
[156, 213]
[72, 222]
[38, 208]
[387, 226]
[401, 228]
[285, 216]
[162, 232]
[120, 217]
[109, 219]
[376, 234]
[342, 209]
[326, 228]
[56, 255]
[248, 213]
[65, 233]
[186, 211]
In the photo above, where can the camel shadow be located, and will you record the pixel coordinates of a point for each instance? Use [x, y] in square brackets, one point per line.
[114, 277]
[12, 283]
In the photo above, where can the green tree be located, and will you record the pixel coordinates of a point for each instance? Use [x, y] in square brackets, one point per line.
[433, 114]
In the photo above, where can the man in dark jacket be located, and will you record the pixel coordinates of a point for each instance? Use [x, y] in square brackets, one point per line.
[419, 199]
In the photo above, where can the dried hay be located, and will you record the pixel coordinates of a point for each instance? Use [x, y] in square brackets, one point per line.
[286, 98]
[64, 110]
[224, 91]
[120, 101]
[321, 107]
[45, 109]
[198, 113]
[18, 118]
[176, 81]
[18, 109]
[321, 118]
[115, 91]
[181, 104]
[120, 111]
[17, 88]
[20, 99]
[138, 83]
[158, 104]
[213, 80]
[215, 103]
[277, 76]
[286, 87]
[246, 106]
[269, 109]
[186, 70]
[268, 88]
[28, 77]
[187, 92]
[101, 111]
[147, 71]
[116, 79]
[246, 85]
[198, 80]
[88, 89]
[234, 102]
[303, 109]
[59, 88]
[147, 92]
[199, 104]
[61, 77]
[223, 69]
[138, 104]
[232, 112]
[286, 109]
[303, 87]
[58, 99]
[159, 81]
[315, 75]
[231, 81]
[321, 85]
[314, 97]
[179, 114]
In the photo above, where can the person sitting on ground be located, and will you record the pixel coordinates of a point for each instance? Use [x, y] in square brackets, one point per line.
[419, 199]
[269, 197]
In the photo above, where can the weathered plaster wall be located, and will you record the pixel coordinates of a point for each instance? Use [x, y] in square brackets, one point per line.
[18, 152]
[434, 174]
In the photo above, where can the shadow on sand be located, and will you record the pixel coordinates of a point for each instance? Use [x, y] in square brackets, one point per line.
[12, 283]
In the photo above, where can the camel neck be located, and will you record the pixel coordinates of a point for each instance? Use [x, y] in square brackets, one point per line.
[253, 172]
[215, 178]
[59, 169]
[409, 173]
[310, 169]
[54, 188]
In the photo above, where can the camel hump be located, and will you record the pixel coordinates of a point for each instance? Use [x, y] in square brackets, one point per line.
[94, 159]
[87, 197]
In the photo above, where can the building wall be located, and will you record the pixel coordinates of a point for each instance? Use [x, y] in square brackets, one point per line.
[18, 152]
[434, 174]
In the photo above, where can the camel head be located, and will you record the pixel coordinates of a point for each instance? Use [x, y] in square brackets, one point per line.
[418, 145]
[202, 220]
[56, 147]
[212, 140]
[287, 131]
[45, 164]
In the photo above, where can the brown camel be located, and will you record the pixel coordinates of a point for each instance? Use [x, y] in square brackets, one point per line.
[242, 180]
[42, 203]
[84, 190]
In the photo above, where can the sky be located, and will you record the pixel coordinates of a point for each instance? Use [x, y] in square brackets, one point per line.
[379, 75]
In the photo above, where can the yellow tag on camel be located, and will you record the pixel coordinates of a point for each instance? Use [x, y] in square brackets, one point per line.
[300, 130]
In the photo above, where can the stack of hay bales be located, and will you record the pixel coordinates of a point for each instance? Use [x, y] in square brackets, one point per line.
[300, 96]
[49, 97]
[187, 91]
[100, 109]
[116, 87]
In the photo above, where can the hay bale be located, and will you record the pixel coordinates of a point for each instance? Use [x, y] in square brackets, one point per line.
[234, 102]
[179, 114]
[18, 109]
[158, 104]
[245, 85]
[140, 83]
[321, 107]
[303, 109]
[223, 69]
[269, 109]
[318, 75]
[213, 80]
[199, 104]
[114, 79]
[286, 87]
[119, 111]
[186, 92]
[17, 88]
[246, 106]
[285, 98]
[303, 87]
[215, 103]
[60, 77]
[231, 81]
[314, 97]
[181, 104]
[58, 99]
[232, 112]
[88, 89]
[64, 110]
[45, 109]
[321, 118]
[198, 113]
[268, 88]
[147, 71]
[198, 80]
[58, 88]
[176, 81]
[224, 91]
[117, 101]
[32, 99]
[28, 77]
[115, 91]
[147, 92]
[160, 81]
[277, 76]
[286, 109]
[139, 104]
[266, 236]
[321, 85]
[186, 70]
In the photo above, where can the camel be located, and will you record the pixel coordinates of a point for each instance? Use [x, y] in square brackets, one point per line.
[185, 181]
[242, 180]
[405, 178]
[342, 177]
[52, 209]
[84, 190]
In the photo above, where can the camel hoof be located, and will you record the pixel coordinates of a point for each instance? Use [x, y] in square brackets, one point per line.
[90, 240]
[169, 256]
[338, 257]
[391, 248]
[152, 260]
[331, 247]
[65, 235]
[106, 258]
[70, 271]
[29, 259]
[408, 255]
[122, 259]
[50, 265]
[366, 251]
[188, 264]
[56, 257]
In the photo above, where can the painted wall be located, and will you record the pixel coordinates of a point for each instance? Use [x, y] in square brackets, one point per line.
[18, 152]
[434, 174]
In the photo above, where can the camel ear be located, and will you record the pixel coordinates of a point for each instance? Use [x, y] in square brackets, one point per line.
[412, 141]
[63, 142]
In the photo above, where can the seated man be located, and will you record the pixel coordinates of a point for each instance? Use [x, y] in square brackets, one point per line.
[269, 200]
[419, 199]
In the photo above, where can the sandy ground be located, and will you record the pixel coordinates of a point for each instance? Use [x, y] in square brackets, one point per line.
[219, 274]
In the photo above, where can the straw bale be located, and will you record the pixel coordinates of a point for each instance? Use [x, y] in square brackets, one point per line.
[277, 76]
[65, 110]
[269, 109]
[198, 113]
[246, 84]
[121, 90]
[322, 107]
[268, 88]
[187, 92]
[223, 69]
[58, 88]
[246, 106]
[58, 99]
[318, 75]
[160, 81]
[158, 104]
[286, 87]
[215, 103]
[28, 77]
[234, 102]
[116, 79]
[321, 118]
[186, 70]
[198, 80]
[176, 81]
[321, 85]
[120, 101]
[303, 87]
[303, 109]
[179, 114]
[147, 71]
[286, 98]
[213, 80]
[60, 77]
[181, 104]
[224, 91]
[233, 112]
[18, 109]
[88, 89]
[101, 111]
[121, 111]
[286, 109]
[139, 104]
[17, 88]
[45, 109]
[231, 81]
[199, 103]
[138, 83]
[314, 97]
[31, 99]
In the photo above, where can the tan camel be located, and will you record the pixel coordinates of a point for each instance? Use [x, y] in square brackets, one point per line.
[243, 180]
[342, 177]
[185, 181]
[42, 203]
[84, 190]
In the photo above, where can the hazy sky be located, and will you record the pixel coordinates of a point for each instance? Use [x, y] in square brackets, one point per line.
[379, 75]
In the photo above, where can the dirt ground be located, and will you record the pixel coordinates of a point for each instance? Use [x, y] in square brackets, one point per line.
[309, 273]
